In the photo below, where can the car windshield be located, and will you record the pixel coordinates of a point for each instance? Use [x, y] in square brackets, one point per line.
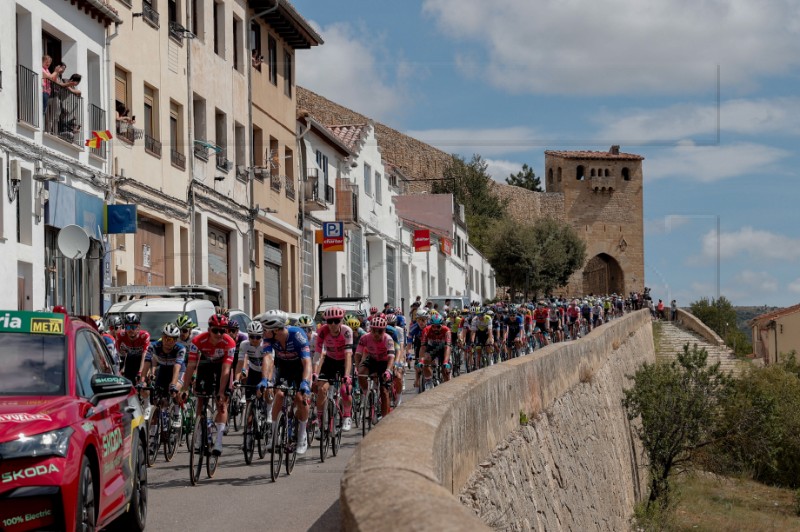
[32, 364]
[153, 322]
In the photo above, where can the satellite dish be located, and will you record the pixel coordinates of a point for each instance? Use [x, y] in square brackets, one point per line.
[73, 242]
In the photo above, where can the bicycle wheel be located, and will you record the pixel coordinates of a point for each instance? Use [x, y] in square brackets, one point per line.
[325, 432]
[154, 432]
[174, 435]
[264, 434]
[374, 405]
[237, 411]
[311, 426]
[249, 433]
[212, 459]
[188, 418]
[291, 451]
[337, 430]
[356, 409]
[364, 414]
[196, 451]
[278, 442]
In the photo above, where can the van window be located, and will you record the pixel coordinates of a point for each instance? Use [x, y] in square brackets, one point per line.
[153, 322]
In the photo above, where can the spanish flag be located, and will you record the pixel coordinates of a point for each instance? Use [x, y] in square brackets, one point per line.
[98, 137]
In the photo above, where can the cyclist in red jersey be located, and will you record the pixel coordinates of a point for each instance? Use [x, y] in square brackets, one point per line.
[132, 346]
[213, 351]
[435, 342]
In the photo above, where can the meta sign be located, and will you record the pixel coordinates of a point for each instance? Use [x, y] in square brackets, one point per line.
[333, 236]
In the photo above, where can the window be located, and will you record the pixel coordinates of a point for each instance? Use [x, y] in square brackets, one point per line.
[367, 180]
[272, 58]
[177, 153]
[255, 43]
[626, 174]
[84, 364]
[241, 149]
[150, 125]
[378, 188]
[219, 29]
[198, 14]
[322, 163]
[121, 95]
[258, 148]
[221, 139]
[200, 131]
[287, 74]
[580, 173]
[174, 20]
[237, 45]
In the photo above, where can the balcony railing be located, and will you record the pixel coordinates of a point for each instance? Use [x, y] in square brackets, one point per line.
[200, 150]
[328, 194]
[64, 115]
[275, 182]
[150, 14]
[152, 146]
[289, 180]
[178, 159]
[222, 160]
[97, 122]
[27, 96]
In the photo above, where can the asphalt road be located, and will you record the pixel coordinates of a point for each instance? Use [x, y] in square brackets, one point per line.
[244, 497]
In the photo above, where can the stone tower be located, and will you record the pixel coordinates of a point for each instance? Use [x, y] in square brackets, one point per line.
[603, 201]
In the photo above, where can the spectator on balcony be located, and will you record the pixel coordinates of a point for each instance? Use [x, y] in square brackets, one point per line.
[257, 59]
[124, 118]
[47, 79]
[69, 122]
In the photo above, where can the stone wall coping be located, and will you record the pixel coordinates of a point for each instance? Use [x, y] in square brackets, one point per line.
[693, 323]
[424, 452]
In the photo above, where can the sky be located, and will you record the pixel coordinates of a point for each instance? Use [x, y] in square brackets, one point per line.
[707, 91]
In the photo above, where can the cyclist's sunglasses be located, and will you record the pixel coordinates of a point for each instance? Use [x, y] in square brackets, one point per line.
[217, 330]
[131, 327]
[254, 336]
[185, 331]
[333, 321]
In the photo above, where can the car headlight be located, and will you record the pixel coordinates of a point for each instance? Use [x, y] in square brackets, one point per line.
[53, 443]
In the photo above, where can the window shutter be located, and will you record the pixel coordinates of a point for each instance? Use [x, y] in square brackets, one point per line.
[121, 86]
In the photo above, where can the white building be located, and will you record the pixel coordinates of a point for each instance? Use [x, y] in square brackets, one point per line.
[49, 179]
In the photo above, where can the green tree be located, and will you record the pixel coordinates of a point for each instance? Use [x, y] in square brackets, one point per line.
[525, 179]
[720, 316]
[559, 252]
[678, 405]
[470, 184]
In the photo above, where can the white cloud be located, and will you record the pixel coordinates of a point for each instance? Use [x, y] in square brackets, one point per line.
[679, 122]
[350, 70]
[707, 164]
[794, 286]
[486, 141]
[757, 282]
[622, 46]
[758, 244]
[500, 170]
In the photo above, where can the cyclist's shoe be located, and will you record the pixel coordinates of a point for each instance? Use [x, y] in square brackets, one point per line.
[302, 446]
[217, 449]
[147, 412]
[347, 424]
[318, 433]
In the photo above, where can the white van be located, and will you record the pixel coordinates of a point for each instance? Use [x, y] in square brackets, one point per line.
[456, 302]
[155, 312]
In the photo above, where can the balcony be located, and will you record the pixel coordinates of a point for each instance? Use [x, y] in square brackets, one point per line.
[149, 14]
[152, 146]
[128, 133]
[97, 122]
[27, 96]
[223, 164]
[64, 115]
[312, 200]
[275, 182]
[289, 180]
[201, 149]
[346, 201]
[178, 159]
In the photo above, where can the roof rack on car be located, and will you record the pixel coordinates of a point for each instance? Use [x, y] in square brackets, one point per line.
[182, 291]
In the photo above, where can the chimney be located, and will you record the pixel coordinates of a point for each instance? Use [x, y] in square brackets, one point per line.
[614, 149]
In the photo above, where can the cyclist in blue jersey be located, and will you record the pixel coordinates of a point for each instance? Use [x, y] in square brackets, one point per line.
[398, 336]
[289, 354]
[168, 358]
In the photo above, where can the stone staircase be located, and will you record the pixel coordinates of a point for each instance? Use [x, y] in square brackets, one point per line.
[673, 338]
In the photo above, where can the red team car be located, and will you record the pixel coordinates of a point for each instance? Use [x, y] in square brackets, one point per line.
[72, 435]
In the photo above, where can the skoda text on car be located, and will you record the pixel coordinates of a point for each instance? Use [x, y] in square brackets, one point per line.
[71, 432]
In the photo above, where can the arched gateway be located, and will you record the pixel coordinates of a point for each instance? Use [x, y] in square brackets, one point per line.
[603, 275]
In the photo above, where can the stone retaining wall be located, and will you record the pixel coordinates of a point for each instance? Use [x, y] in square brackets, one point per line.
[689, 321]
[423, 454]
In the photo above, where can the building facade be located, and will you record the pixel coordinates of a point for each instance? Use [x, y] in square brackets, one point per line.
[776, 333]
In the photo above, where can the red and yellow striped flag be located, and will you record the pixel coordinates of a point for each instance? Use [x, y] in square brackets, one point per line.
[105, 135]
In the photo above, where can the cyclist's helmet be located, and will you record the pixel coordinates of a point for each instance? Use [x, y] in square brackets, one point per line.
[224, 311]
[437, 320]
[391, 319]
[101, 327]
[305, 321]
[132, 319]
[218, 320]
[334, 313]
[171, 330]
[185, 322]
[373, 310]
[378, 322]
[273, 320]
[422, 313]
[398, 311]
[465, 310]
[116, 321]
[233, 325]
[255, 328]
[476, 310]
[352, 322]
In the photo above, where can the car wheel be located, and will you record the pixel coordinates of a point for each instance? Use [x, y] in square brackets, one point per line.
[136, 516]
[86, 513]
